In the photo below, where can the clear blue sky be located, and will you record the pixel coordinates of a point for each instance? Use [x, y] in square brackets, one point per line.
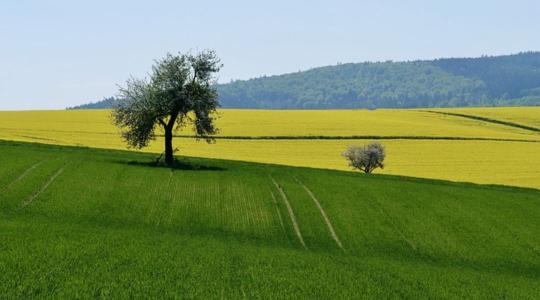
[59, 53]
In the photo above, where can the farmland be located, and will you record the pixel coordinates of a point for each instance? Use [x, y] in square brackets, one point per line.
[450, 147]
[78, 222]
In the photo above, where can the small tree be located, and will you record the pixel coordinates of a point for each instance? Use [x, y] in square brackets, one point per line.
[178, 93]
[366, 158]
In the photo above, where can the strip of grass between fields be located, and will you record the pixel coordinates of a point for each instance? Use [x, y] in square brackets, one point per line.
[328, 137]
[360, 137]
[489, 120]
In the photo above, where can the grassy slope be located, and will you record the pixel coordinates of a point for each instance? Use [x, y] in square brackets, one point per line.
[109, 225]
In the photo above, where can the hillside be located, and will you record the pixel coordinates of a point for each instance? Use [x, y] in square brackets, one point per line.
[77, 221]
[484, 81]
[508, 80]
[102, 104]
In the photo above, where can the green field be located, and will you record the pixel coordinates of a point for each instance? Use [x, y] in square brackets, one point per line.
[87, 223]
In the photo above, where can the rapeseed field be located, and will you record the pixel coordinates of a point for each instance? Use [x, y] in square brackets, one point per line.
[416, 140]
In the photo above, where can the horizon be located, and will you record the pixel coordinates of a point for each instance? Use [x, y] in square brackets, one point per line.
[61, 54]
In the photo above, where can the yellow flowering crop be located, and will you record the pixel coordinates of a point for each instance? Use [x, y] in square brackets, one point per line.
[497, 162]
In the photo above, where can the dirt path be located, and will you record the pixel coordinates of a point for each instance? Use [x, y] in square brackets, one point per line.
[43, 187]
[21, 177]
[291, 212]
[323, 213]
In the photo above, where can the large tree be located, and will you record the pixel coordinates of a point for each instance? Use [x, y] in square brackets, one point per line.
[178, 93]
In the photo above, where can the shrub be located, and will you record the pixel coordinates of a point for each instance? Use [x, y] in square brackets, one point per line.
[366, 158]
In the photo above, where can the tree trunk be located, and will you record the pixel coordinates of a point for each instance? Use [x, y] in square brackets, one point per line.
[169, 155]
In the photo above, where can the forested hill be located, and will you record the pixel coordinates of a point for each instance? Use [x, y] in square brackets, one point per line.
[499, 80]
[105, 103]
[483, 81]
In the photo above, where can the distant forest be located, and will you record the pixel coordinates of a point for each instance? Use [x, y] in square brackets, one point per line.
[453, 82]
[105, 103]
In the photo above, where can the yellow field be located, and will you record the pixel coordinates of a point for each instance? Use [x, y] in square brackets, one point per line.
[235, 122]
[497, 162]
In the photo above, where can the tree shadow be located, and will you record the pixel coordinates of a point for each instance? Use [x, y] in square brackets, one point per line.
[178, 165]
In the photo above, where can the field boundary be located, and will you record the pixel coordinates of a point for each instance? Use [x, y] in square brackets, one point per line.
[485, 119]
[328, 137]
[359, 137]
[290, 210]
[323, 213]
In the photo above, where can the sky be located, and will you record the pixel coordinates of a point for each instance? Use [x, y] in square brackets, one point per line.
[55, 54]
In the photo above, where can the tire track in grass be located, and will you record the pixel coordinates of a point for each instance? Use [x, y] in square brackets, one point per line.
[218, 204]
[153, 197]
[206, 195]
[236, 209]
[255, 221]
[264, 213]
[290, 210]
[224, 208]
[255, 216]
[194, 208]
[165, 193]
[44, 187]
[189, 214]
[175, 209]
[279, 216]
[257, 204]
[181, 202]
[394, 225]
[323, 213]
[250, 218]
[24, 174]
[248, 223]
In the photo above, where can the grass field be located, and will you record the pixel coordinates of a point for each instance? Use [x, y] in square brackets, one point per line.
[98, 223]
[419, 143]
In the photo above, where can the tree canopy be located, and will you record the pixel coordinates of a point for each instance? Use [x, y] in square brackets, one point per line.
[367, 158]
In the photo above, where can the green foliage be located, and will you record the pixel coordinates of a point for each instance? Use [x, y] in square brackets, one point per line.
[112, 226]
[179, 85]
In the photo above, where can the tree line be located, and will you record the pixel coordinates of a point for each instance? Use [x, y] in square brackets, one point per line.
[483, 81]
